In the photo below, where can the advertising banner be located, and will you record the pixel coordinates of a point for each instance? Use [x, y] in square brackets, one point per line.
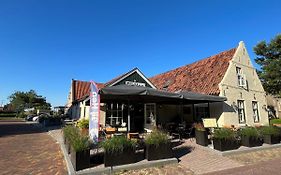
[94, 112]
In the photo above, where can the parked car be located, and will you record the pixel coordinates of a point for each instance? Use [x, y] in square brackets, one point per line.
[29, 117]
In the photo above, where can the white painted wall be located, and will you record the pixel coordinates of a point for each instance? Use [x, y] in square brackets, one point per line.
[254, 92]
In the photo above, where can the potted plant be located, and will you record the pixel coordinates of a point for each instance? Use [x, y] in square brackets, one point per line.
[158, 146]
[201, 134]
[83, 124]
[80, 149]
[225, 139]
[270, 134]
[118, 151]
[250, 137]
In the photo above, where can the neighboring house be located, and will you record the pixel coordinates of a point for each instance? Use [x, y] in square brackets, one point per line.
[230, 74]
[274, 106]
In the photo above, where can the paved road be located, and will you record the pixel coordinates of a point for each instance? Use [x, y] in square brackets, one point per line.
[25, 149]
[270, 167]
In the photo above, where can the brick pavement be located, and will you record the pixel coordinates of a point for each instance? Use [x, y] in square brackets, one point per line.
[26, 149]
[256, 156]
[270, 167]
[173, 169]
[200, 160]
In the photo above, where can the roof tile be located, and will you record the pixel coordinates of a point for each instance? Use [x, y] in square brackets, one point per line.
[202, 76]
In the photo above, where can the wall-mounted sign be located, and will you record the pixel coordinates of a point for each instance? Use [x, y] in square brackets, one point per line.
[134, 83]
[94, 113]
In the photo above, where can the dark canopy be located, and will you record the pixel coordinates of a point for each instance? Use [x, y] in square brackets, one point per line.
[137, 93]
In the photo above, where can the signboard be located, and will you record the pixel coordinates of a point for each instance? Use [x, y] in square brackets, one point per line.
[210, 122]
[94, 112]
[134, 83]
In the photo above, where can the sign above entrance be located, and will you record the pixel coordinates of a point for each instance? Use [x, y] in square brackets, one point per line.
[134, 83]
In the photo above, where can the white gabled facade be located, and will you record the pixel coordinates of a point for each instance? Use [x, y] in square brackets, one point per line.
[246, 98]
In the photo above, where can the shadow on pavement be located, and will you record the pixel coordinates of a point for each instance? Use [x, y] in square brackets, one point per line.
[8, 128]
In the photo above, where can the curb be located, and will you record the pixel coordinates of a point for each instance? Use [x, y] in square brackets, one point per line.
[135, 166]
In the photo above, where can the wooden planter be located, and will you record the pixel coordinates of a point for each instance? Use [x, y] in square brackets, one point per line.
[201, 137]
[225, 145]
[128, 156]
[271, 139]
[80, 160]
[251, 141]
[163, 151]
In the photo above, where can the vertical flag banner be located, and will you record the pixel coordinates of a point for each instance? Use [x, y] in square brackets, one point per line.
[94, 112]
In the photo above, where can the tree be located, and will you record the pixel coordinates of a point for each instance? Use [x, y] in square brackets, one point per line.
[22, 100]
[269, 58]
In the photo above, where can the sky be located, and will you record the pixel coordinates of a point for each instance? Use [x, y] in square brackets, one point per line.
[45, 44]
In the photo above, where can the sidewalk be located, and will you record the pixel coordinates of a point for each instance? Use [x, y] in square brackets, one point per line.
[26, 149]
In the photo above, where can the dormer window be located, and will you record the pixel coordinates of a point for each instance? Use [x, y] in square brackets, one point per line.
[241, 77]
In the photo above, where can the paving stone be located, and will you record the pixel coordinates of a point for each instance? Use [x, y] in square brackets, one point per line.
[26, 149]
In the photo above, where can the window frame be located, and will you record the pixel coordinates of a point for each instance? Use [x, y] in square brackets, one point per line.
[241, 111]
[256, 115]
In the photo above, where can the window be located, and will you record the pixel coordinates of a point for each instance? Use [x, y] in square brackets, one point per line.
[114, 114]
[255, 111]
[150, 114]
[241, 77]
[201, 111]
[241, 111]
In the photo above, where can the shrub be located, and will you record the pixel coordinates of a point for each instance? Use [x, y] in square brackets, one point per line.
[249, 131]
[275, 121]
[21, 115]
[118, 144]
[199, 126]
[83, 124]
[270, 130]
[224, 133]
[78, 141]
[156, 138]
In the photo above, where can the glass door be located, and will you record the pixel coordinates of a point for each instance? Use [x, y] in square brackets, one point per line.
[150, 115]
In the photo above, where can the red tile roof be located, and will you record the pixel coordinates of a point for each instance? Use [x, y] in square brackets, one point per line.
[202, 76]
[82, 89]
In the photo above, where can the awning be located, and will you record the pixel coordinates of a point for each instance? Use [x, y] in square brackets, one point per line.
[145, 94]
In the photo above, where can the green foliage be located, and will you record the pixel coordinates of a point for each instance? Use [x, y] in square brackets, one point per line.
[118, 144]
[21, 100]
[199, 126]
[275, 121]
[249, 131]
[8, 114]
[78, 141]
[156, 138]
[269, 58]
[270, 130]
[83, 124]
[225, 134]
[21, 115]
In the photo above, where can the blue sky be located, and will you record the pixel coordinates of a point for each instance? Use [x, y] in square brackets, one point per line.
[44, 44]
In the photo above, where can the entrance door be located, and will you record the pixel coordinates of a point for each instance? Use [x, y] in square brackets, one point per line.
[150, 115]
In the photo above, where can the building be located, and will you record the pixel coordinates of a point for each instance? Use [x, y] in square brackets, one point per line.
[274, 106]
[228, 74]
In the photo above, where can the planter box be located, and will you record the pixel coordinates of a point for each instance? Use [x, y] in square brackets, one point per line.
[224, 145]
[250, 141]
[80, 160]
[113, 159]
[201, 137]
[271, 139]
[163, 151]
